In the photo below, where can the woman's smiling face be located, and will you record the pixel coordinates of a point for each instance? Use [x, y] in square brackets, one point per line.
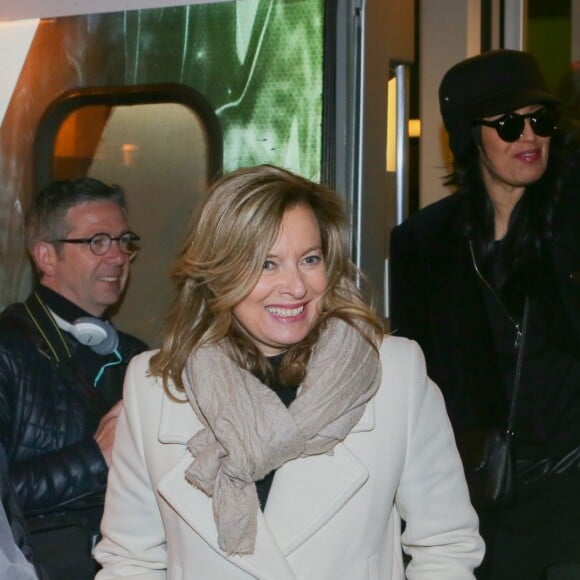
[517, 164]
[285, 304]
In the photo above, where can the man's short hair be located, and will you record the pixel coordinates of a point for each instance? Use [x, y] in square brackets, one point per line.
[46, 218]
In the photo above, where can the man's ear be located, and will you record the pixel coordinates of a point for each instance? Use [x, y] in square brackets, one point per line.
[45, 258]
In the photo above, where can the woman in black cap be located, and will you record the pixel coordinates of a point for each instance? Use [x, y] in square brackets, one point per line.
[487, 281]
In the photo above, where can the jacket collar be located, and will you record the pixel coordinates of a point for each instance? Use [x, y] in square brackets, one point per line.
[306, 493]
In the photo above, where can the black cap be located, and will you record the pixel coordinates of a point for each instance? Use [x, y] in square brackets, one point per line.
[495, 82]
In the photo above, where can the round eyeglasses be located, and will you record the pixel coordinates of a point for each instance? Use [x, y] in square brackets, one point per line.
[510, 127]
[100, 243]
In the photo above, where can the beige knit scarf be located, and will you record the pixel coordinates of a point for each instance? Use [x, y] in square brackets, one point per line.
[249, 431]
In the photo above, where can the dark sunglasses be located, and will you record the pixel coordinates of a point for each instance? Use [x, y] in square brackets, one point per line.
[510, 127]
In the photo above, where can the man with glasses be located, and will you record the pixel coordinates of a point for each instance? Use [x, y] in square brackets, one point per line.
[62, 365]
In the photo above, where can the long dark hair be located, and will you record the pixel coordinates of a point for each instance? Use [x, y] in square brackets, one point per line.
[522, 264]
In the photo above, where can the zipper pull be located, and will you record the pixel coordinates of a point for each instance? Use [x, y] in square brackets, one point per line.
[518, 336]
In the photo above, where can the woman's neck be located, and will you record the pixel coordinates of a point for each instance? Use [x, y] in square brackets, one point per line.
[503, 195]
[503, 199]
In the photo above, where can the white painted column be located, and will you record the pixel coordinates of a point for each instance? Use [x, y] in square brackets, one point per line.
[515, 24]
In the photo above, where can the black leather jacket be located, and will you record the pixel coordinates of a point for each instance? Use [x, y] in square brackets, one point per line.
[46, 425]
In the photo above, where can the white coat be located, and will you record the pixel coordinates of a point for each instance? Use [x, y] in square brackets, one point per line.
[328, 517]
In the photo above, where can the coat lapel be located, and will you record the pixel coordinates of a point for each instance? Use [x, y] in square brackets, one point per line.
[267, 562]
[306, 493]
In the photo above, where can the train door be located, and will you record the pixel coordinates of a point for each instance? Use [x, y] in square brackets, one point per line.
[298, 83]
[160, 100]
[162, 144]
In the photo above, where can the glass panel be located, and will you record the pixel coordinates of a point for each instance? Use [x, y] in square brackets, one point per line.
[549, 38]
[258, 64]
[158, 153]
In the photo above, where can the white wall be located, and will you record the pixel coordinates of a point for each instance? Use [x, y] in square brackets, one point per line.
[15, 39]
[450, 32]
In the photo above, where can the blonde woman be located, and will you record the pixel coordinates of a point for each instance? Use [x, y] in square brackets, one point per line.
[277, 434]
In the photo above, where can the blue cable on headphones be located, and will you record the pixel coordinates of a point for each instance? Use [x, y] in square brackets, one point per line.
[110, 364]
[99, 335]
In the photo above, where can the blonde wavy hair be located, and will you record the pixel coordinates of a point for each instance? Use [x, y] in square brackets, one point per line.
[223, 257]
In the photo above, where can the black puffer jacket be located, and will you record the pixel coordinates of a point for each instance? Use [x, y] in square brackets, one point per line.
[46, 425]
[15, 519]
